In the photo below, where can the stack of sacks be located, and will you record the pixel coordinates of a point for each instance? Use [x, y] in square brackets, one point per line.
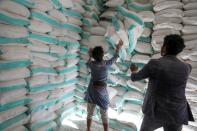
[92, 36]
[44, 39]
[55, 32]
[189, 54]
[14, 63]
[124, 25]
[141, 56]
[143, 48]
[168, 19]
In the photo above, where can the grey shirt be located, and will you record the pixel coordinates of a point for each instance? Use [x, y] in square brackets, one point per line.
[99, 72]
[165, 97]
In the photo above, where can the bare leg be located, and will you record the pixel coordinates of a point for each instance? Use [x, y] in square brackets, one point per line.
[90, 110]
[89, 122]
[104, 117]
[105, 126]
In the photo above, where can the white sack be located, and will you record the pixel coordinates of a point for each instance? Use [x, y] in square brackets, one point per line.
[15, 8]
[39, 26]
[11, 113]
[43, 5]
[9, 96]
[12, 31]
[18, 73]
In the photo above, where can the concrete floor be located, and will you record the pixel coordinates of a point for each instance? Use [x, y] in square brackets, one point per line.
[82, 127]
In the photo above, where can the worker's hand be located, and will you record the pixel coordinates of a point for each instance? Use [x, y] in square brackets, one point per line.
[119, 45]
[133, 68]
[90, 52]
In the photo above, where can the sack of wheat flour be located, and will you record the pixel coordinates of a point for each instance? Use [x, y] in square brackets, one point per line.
[56, 79]
[108, 14]
[17, 128]
[78, 8]
[132, 107]
[39, 26]
[38, 46]
[133, 95]
[97, 30]
[51, 125]
[56, 14]
[38, 96]
[14, 52]
[190, 13]
[41, 37]
[189, 29]
[71, 76]
[19, 120]
[168, 25]
[138, 86]
[170, 13]
[144, 48]
[162, 19]
[155, 2]
[18, 73]
[116, 102]
[168, 4]
[147, 32]
[75, 21]
[43, 5]
[138, 6]
[57, 49]
[164, 32]
[14, 7]
[13, 19]
[38, 80]
[189, 37]
[190, 6]
[39, 70]
[140, 59]
[12, 85]
[190, 21]
[12, 31]
[147, 16]
[114, 3]
[40, 62]
[10, 96]
[64, 32]
[6, 115]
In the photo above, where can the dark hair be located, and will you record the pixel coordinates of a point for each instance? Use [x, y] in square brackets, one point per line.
[173, 45]
[98, 53]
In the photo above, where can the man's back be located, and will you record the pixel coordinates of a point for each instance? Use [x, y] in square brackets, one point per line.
[165, 98]
[168, 77]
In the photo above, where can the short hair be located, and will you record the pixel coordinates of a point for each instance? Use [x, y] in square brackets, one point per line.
[98, 53]
[174, 44]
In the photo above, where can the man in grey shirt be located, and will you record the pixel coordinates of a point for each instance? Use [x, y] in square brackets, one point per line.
[165, 103]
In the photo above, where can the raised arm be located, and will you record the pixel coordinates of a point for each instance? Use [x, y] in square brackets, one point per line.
[142, 74]
[88, 63]
[115, 57]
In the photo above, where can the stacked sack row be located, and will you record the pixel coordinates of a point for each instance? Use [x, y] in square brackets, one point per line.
[14, 63]
[39, 57]
[141, 55]
[168, 19]
[189, 54]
